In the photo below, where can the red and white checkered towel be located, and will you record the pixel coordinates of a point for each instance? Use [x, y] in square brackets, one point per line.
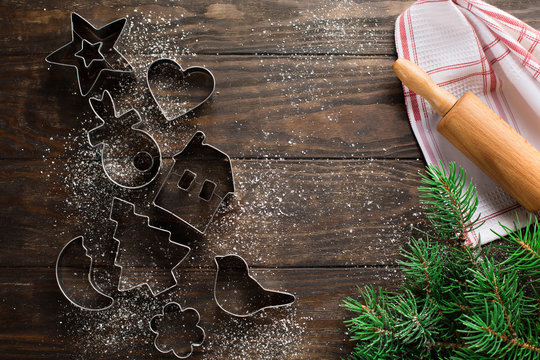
[468, 45]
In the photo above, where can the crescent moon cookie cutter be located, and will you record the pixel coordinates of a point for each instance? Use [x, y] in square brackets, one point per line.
[177, 330]
[239, 294]
[199, 180]
[146, 255]
[196, 84]
[69, 284]
[91, 52]
[130, 157]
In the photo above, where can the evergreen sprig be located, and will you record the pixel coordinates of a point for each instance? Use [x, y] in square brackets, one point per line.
[457, 301]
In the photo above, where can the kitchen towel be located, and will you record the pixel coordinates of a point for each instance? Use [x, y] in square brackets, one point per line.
[469, 45]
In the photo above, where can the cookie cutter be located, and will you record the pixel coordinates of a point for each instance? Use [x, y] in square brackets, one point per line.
[130, 157]
[197, 183]
[77, 282]
[238, 293]
[91, 52]
[145, 254]
[194, 82]
[168, 329]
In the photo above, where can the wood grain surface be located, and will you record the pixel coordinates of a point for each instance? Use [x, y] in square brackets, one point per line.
[307, 107]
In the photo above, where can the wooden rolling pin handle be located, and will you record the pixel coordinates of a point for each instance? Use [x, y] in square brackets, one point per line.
[479, 133]
[418, 81]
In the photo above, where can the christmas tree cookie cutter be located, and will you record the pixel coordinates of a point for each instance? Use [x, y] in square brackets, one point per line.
[168, 83]
[177, 330]
[91, 52]
[130, 157]
[76, 283]
[239, 294]
[198, 181]
[145, 254]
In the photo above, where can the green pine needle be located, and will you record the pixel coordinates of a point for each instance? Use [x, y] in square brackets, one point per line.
[457, 302]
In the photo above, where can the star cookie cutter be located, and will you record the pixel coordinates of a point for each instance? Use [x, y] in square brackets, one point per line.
[238, 293]
[177, 330]
[76, 285]
[168, 82]
[146, 254]
[130, 157]
[91, 52]
[198, 181]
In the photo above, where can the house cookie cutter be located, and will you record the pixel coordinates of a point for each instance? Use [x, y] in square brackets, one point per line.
[78, 286]
[198, 181]
[177, 330]
[91, 52]
[196, 84]
[146, 254]
[238, 293]
[130, 157]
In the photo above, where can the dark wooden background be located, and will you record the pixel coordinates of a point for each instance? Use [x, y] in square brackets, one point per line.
[325, 163]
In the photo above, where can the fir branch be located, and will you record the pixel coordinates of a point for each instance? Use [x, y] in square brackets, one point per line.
[424, 266]
[457, 303]
[523, 248]
[451, 202]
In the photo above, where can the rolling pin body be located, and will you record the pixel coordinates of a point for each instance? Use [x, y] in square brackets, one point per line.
[481, 135]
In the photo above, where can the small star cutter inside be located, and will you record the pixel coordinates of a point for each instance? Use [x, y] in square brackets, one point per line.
[91, 52]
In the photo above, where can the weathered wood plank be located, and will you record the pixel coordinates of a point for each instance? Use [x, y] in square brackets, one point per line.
[299, 107]
[238, 27]
[38, 323]
[284, 213]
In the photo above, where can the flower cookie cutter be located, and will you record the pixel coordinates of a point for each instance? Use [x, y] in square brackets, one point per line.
[177, 330]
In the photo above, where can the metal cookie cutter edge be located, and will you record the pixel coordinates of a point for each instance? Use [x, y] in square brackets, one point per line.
[162, 313]
[184, 72]
[255, 280]
[73, 32]
[133, 127]
[153, 227]
[90, 278]
[172, 169]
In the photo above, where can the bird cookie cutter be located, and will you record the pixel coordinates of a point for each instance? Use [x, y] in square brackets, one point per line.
[238, 293]
[130, 157]
[174, 328]
[195, 84]
[91, 52]
[145, 254]
[197, 183]
[73, 282]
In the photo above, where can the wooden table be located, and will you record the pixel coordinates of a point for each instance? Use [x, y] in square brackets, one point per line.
[324, 159]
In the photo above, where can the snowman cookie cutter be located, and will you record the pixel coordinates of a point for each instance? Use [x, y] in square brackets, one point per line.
[130, 157]
[172, 87]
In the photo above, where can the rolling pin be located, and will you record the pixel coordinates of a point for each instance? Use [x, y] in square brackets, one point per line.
[481, 135]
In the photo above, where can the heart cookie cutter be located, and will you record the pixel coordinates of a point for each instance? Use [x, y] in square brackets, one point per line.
[91, 52]
[194, 80]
